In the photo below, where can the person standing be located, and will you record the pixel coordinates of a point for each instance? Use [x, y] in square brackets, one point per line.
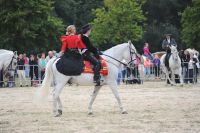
[1, 79]
[156, 63]
[26, 65]
[33, 68]
[147, 65]
[42, 65]
[20, 71]
[50, 56]
[147, 51]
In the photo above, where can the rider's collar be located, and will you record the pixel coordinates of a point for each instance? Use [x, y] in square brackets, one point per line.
[85, 35]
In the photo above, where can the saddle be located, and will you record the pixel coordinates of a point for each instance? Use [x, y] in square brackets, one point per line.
[72, 64]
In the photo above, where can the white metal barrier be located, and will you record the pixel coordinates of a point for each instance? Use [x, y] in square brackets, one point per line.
[32, 75]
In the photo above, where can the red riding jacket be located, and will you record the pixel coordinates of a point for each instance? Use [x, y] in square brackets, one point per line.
[72, 42]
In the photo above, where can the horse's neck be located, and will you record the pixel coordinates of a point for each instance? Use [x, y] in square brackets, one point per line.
[116, 52]
[5, 60]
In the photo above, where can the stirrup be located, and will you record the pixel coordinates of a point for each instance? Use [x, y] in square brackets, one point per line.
[98, 82]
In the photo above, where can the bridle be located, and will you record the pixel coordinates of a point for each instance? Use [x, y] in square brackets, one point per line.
[10, 67]
[132, 52]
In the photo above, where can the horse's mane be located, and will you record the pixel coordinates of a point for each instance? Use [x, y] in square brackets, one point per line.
[116, 47]
[3, 51]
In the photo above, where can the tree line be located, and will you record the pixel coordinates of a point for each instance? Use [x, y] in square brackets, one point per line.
[35, 26]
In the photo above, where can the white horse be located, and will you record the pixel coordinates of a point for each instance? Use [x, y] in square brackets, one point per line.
[8, 62]
[174, 65]
[118, 53]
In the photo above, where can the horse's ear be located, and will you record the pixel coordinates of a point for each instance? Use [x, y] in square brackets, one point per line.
[129, 42]
[15, 53]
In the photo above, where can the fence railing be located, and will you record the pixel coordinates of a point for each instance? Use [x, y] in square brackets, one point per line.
[139, 74]
[32, 75]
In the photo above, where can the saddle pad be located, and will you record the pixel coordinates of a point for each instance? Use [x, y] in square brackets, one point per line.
[88, 67]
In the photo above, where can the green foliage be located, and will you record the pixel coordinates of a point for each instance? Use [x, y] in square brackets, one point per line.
[163, 17]
[77, 12]
[118, 22]
[191, 25]
[27, 24]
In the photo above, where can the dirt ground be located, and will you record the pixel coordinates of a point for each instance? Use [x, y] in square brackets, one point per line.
[152, 108]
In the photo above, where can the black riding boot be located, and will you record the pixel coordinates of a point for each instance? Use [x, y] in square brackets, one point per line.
[97, 76]
[97, 66]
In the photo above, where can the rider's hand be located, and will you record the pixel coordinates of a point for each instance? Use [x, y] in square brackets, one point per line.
[100, 53]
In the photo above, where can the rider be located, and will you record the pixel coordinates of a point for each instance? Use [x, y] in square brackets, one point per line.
[90, 53]
[167, 42]
[69, 42]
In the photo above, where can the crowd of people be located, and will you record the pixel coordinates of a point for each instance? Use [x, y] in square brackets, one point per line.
[32, 67]
[151, 64]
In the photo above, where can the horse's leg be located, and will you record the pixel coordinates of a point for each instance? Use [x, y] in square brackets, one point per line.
[57, 106]
[93, 96]
[172, 77]
[167, 74]
[113, 87]
[180, 76]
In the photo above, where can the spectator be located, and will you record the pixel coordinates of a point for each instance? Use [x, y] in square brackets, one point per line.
[191, 68]
[146, 51]
[1, 79]
[20, 71]
[124, 71]
[196, 60]
[156, 64]
[50, 56]
[186, 59]
[26, 64]
[55, 54]
[42, 65]
[147, 65]
[33, 68]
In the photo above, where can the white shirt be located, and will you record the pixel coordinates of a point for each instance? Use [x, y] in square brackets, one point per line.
[168, 40]
[190, 64]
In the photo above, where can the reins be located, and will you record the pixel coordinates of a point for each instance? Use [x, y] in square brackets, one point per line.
[126, 65]
[115, 59]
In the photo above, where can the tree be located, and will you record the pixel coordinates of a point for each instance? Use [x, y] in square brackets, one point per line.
[163, 17]
[191, 25]
[77, 12]
[117, 22]
[28, 25]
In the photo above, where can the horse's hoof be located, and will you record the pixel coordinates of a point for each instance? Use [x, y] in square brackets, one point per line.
[57, 115]
[124, 112]
[90, 113]
[60, 112]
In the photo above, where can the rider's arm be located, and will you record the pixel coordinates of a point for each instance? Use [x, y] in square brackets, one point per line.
[88, 44]
[64, 45]
[174, 42]
[163, 44]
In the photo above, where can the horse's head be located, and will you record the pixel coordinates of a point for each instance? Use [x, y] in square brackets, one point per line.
[12, 65]
[131, 53]
[174, 52]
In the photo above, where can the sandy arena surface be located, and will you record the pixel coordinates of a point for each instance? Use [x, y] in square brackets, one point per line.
[152, 108]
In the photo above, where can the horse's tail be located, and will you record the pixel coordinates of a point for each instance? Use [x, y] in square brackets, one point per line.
[42, 92]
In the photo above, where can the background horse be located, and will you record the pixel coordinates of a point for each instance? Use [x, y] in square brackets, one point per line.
[174, 65]
[8, 63]
[118, 53]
